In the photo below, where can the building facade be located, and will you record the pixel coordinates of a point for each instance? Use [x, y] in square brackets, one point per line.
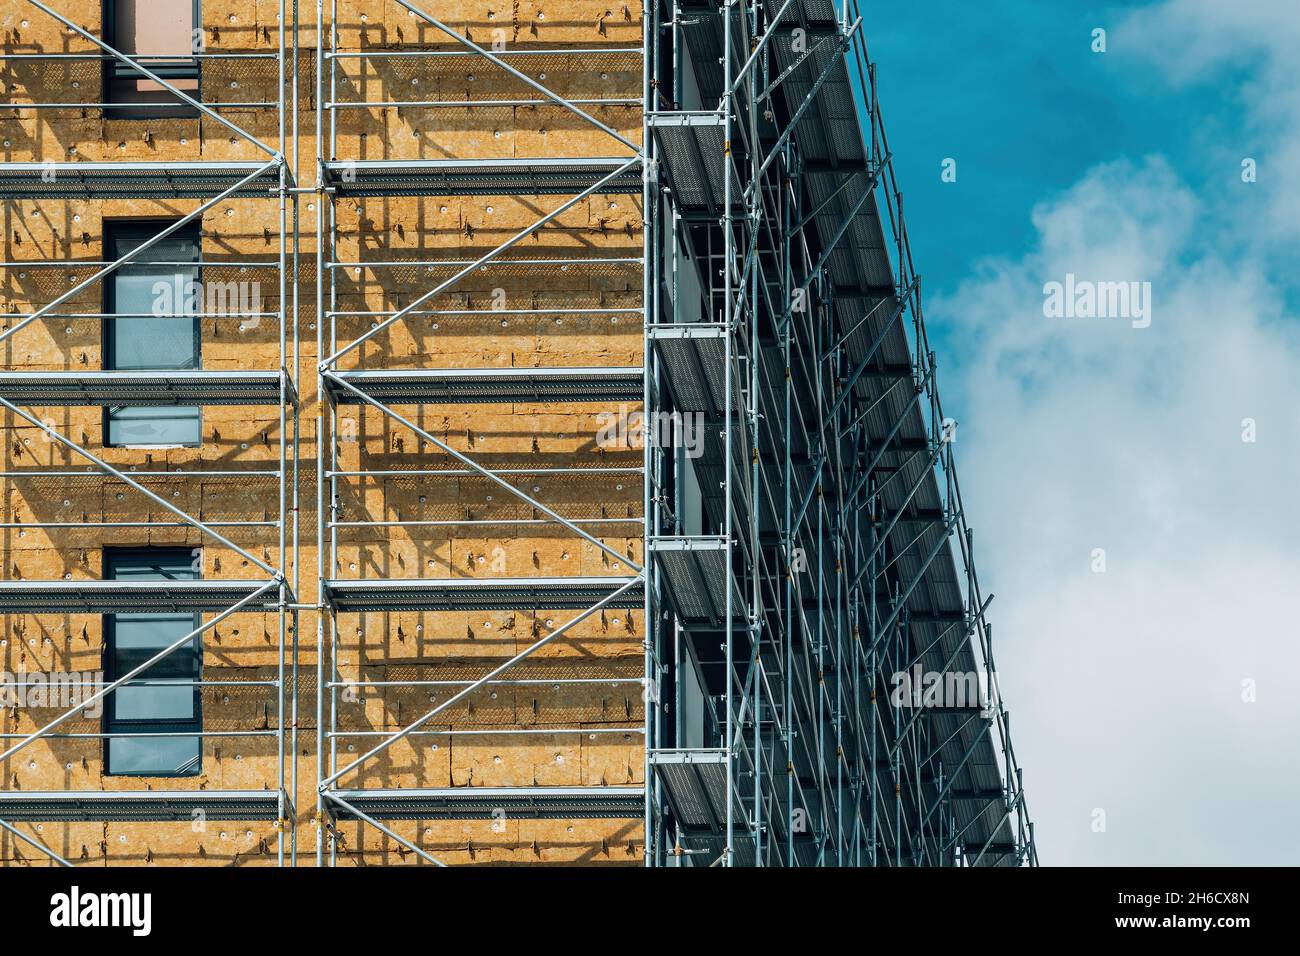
[468, 433]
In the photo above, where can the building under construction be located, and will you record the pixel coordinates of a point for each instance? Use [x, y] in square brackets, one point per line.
[465, 431]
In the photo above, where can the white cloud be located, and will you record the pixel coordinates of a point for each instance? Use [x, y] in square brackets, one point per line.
[1241, 52]
[1125, 687]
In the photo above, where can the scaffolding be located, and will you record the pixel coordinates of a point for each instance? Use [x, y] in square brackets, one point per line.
[707, 613]
[788, 314]
[537, 276]
[268, 586]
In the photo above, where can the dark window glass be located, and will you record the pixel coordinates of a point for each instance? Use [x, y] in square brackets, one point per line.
[155, 328]
[162, 699]
[161, 35]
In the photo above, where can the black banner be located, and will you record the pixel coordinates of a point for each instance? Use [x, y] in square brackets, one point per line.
[367, 905]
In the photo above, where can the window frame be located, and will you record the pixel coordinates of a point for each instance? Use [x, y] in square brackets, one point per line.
[143, 230]
[115, 70]
[111, 723]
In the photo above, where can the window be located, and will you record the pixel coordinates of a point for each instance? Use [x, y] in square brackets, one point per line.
[161, 33]
[153, 326]
[162, 699]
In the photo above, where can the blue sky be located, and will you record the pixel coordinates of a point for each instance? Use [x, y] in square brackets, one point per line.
[1012, 90]
[1152, 692]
